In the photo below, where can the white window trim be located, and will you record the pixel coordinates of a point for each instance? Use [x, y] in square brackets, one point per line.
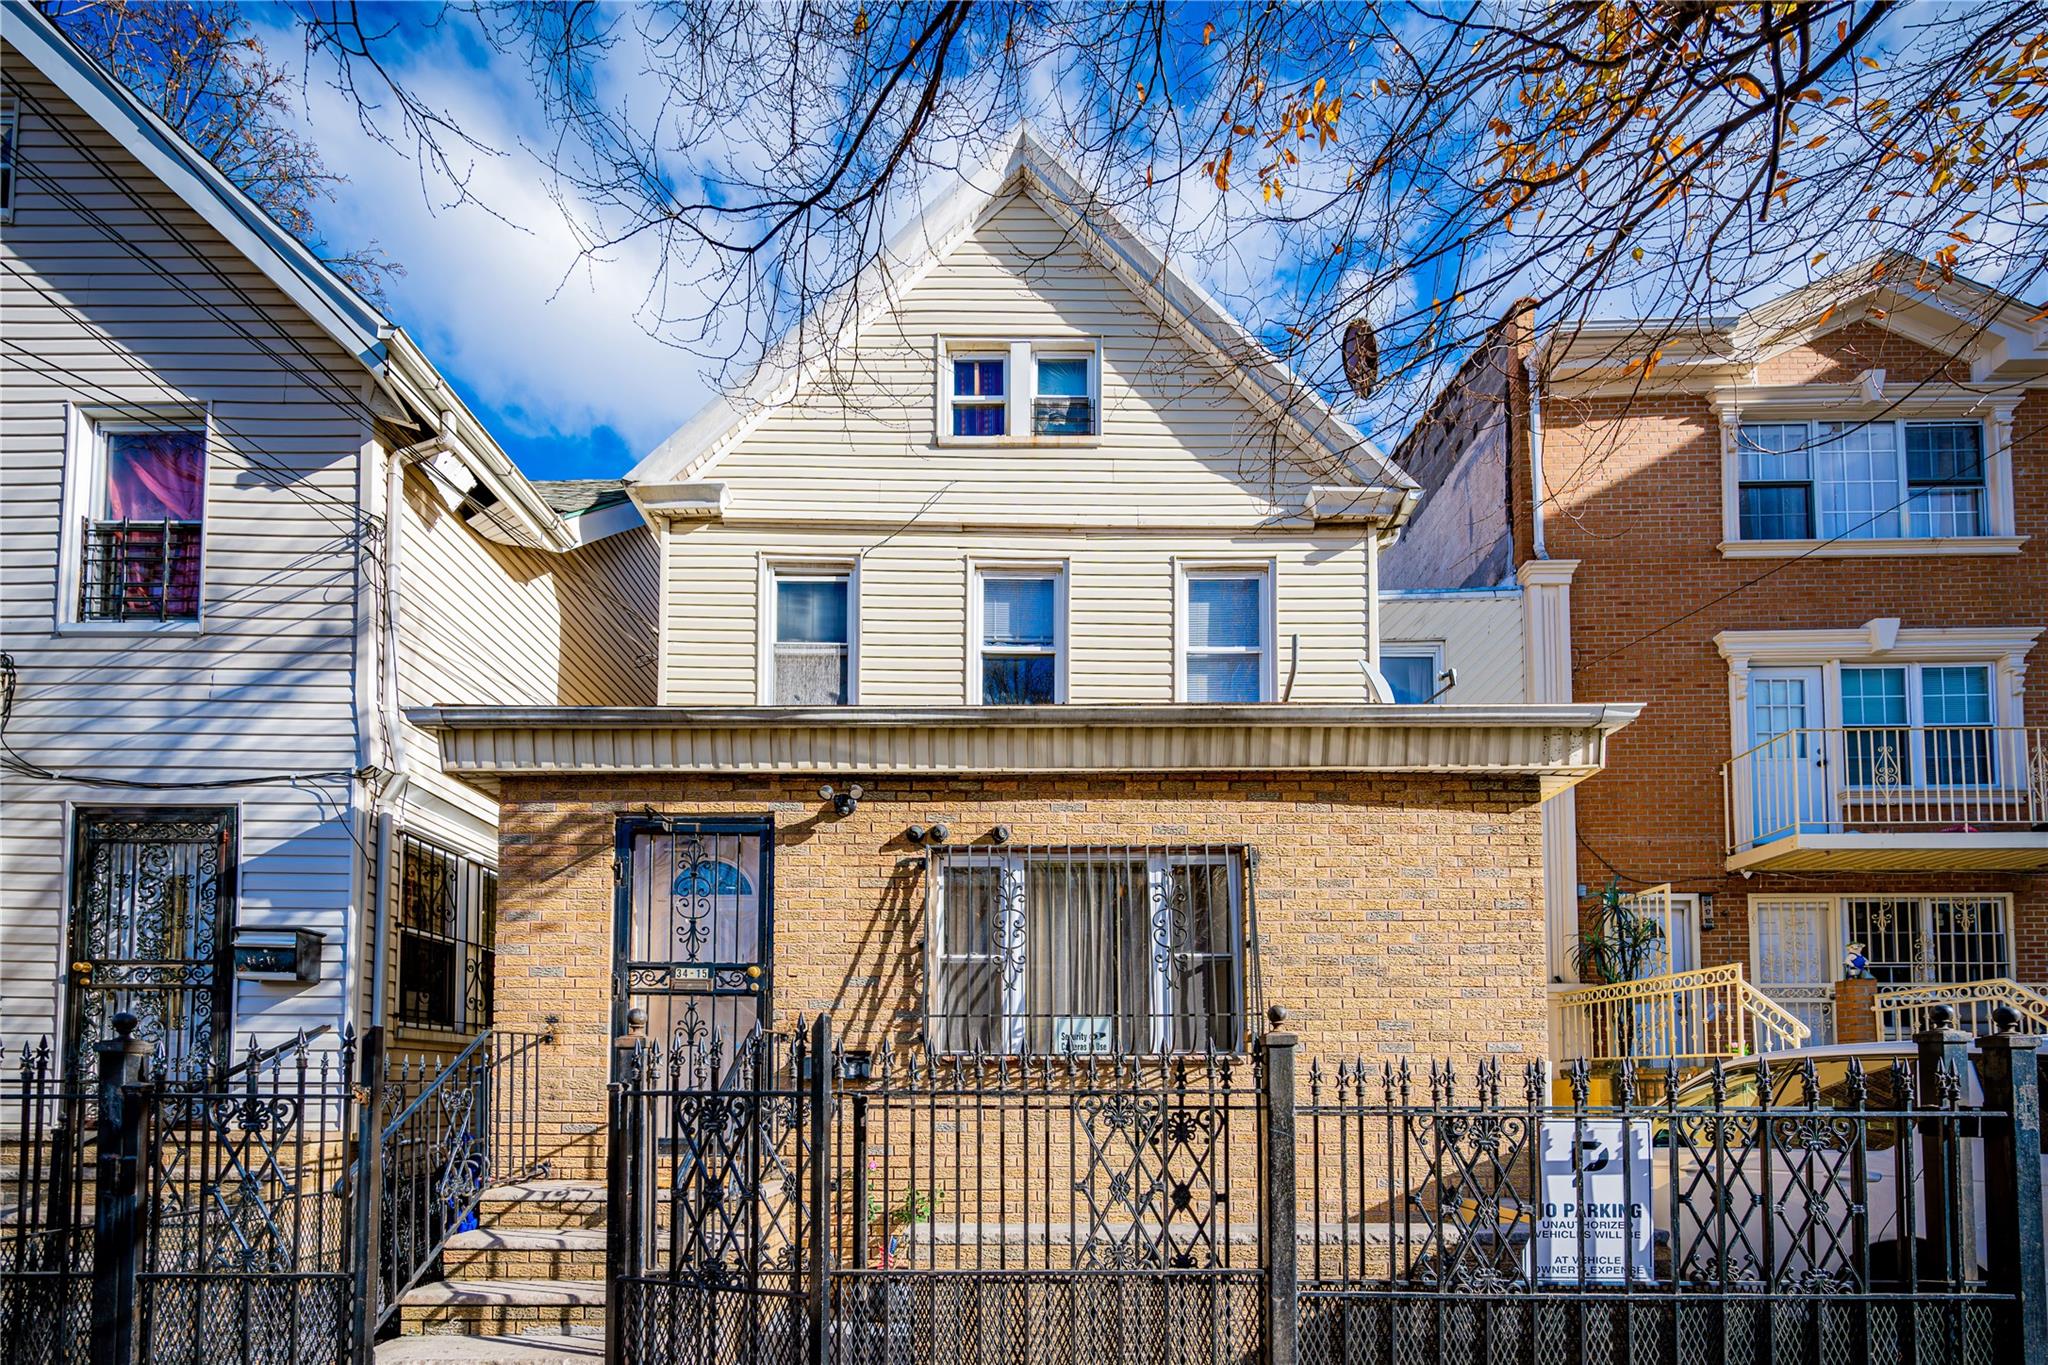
[10, 122]
[84, 462]
[1269, 569]
[1876, 643]
[1016, 1017]
[774, 566]
[1838, 921]
[1020, 385]
[980, 569]
[1864, 402]
[1434, 649]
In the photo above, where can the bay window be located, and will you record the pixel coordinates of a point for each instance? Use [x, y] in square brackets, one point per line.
[1875, 480]
[1085, 951]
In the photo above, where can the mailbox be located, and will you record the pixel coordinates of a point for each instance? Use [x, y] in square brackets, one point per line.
[290, 955]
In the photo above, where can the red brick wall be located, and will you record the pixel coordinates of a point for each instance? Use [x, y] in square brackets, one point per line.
[1636, 498]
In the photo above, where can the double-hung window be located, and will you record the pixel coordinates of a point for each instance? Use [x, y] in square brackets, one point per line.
[813, 625]
[143, 522]
[1878, 480]
[447, 926]
[1918, 725]
[1226, 649]
[980, 394]
[1019, 392]
[1021, 636]
[1085, 951]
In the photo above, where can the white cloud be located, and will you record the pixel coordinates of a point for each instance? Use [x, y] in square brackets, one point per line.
[497, 288]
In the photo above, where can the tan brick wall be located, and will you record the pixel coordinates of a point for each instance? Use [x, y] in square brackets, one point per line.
[1398, 915]
[1636, 488]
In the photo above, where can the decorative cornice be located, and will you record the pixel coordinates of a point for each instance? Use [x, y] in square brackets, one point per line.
[1559, 744]
[1546, 572]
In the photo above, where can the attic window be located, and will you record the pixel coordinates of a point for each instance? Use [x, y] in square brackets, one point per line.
[1019, 392]
[9, 124]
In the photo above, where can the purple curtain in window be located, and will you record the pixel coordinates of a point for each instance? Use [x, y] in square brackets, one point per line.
[156, 476]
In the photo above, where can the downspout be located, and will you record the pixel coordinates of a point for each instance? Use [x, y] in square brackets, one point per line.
[398, 774]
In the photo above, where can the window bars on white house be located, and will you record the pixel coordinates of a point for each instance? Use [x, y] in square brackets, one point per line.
[1079, 950]
[447, 931]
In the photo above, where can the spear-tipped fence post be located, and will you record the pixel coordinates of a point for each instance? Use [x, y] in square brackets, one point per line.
[369, 1210]
[2008, 1067]
[1944, 1057]
[1281, 1310]
[117, 1224]
[820, 1174]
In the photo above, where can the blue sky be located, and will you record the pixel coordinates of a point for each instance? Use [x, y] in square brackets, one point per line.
[541, 341]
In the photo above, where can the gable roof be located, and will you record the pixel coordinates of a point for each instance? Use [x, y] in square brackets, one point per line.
[1029, 167]
[2004, 338]
[419, 396]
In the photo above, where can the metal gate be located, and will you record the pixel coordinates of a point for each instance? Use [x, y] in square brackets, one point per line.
[151, 930]
[694, 929]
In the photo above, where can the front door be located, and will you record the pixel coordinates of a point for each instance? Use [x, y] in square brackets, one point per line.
[1792, 946]
[1788, 788]
[695, 927]
[151, 926]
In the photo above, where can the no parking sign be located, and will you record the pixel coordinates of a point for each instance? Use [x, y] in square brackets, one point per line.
[1595, 1202]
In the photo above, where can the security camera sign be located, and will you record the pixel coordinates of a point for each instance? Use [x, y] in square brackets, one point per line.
[1594, 1224]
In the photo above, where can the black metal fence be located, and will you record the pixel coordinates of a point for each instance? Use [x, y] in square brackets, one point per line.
[793, 1202]
[175, 1219]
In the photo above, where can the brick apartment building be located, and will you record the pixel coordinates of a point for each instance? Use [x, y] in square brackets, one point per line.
[1812, 536]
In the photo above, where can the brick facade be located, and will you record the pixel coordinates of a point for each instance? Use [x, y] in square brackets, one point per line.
[1636, 499]
[1397, 915]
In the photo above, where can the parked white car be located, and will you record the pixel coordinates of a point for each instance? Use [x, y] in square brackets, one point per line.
[1804, 1173]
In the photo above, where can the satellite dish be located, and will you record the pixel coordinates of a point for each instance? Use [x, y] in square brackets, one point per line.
[1361, 357]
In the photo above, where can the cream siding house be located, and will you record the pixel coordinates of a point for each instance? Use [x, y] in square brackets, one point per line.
[1037, 606]
[245, 523]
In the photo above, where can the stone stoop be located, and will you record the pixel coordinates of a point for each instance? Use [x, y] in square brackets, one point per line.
[525, 1285]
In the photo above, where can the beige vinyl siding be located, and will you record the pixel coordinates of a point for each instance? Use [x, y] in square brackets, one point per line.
[1480, 633]
[266, 686]
[913, 609]
[1179, 447]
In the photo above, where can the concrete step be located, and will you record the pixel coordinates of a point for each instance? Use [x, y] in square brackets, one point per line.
[544, 1204]
[508, 1307]
[551, 1348]
[495, 1252]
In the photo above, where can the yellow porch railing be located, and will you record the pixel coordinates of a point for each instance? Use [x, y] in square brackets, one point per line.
[1903, 1011]
[1680, 1018]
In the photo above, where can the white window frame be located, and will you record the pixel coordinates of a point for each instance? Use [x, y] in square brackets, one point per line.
[1431, 649]
[1267, 571]
[1837, 912]
[86, 427]
[1020, 385]
[1853, 404]
[978, 571]
[775, 568]
[10, 148]
[1915, 724]
[1016, 1017]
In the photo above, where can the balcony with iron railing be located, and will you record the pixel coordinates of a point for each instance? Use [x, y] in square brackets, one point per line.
[1890, 798]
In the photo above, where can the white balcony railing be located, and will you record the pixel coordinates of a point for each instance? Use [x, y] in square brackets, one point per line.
[1903, 1011]
[1680, 1019]
[1956, 779]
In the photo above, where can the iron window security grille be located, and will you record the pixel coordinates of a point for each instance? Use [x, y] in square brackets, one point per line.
[1930, 940]
[447, 924]
[143, 533]
[1087, 950]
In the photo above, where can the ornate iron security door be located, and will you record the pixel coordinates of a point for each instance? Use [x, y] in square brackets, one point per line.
[695, 917]
[152, 924]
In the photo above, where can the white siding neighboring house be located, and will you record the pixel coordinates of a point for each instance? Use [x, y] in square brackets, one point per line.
[245, 522]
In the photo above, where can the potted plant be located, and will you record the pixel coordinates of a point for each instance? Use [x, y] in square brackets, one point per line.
[1622, 944]
[892, 1231]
